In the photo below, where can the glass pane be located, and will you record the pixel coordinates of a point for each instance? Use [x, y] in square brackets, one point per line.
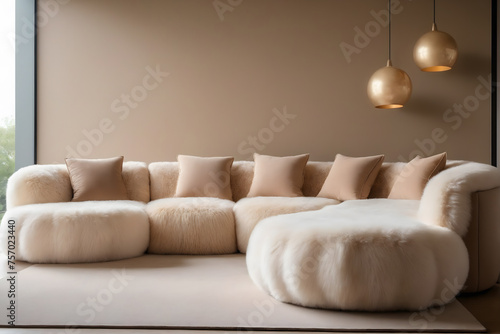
[7, 95]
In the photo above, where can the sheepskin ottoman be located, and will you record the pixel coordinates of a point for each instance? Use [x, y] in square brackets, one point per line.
[75, 232]
[191, 225]
[369, 255]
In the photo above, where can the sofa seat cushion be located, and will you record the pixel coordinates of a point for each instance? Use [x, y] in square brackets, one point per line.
[371, 255]
[249, 211]
[191, 225]
[75, 232]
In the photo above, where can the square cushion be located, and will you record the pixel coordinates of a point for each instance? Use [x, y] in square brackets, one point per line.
[97, 179]
[278, 176]
[351, 178]
[204, 177]
[411, 181]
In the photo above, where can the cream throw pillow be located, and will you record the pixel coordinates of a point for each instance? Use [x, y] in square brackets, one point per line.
[411, 182]
[278, 176]
[97, 179]
[204, 177]
[351, 178]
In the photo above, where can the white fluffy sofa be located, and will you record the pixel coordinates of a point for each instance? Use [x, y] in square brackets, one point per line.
[51, 229]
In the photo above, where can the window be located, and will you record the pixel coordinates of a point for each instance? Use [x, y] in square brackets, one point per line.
[7, 96]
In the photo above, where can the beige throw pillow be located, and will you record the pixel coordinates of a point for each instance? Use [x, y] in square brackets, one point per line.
[278, 176]
[97, 179]
[204, 177]
[411, 181]
[351, 178]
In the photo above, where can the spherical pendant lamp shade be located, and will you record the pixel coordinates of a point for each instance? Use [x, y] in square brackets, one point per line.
[436, 51]
[389, 87]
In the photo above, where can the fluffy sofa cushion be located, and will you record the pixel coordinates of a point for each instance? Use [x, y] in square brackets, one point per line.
[76, 232]
[248, 212]
[204, 177]
[411, 182]
[192, 225]
[351, 178]
[278, 176]
[97, 179]
[369, 255]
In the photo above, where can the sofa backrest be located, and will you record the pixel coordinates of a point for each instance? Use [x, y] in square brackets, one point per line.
[385, 179]
[50, 184]
[314, 177]
[136, 178]
[163, 176]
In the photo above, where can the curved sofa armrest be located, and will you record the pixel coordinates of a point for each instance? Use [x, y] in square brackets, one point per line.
[39, 184]
[51, 184]
[446, 200]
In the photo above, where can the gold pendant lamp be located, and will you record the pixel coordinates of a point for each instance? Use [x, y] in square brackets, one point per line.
[435, 51]
[389, 87]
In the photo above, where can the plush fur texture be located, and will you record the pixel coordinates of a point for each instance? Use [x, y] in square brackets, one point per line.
[191, 225]
[369, 255]
[248, 212]
[78, 231]
[446, 200]
[136, 178]
[39, 184]
[163, 176]
[241, 179]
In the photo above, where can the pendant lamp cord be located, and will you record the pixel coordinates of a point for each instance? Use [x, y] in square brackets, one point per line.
[434, 18]
[390, 29]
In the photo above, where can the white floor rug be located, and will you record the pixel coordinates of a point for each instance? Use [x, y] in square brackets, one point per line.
[189, 292]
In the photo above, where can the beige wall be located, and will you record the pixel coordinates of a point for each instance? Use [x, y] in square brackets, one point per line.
[230, 75]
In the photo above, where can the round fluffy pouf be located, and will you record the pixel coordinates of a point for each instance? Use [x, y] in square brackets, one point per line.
[359, 255]
[75, 232]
